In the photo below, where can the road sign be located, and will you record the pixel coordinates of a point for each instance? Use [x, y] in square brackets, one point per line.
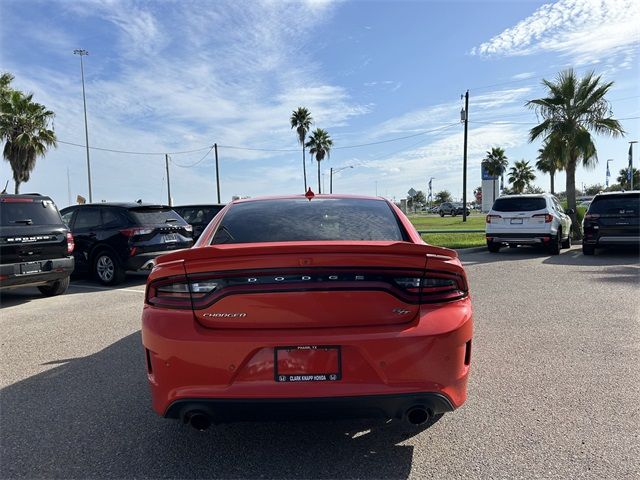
[412, 192]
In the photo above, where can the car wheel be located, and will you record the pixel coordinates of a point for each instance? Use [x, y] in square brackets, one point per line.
[55, 288]
[442, 214]
[556, 243]
[567, 243]
[493, 247]
[588, 249]
[454, 213]
[107, 269]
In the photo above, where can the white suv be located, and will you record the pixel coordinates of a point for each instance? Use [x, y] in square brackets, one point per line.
[528, 220]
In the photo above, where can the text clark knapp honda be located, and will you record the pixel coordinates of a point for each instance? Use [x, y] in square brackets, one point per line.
[325, 307]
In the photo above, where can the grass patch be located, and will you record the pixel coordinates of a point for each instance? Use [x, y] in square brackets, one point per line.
[474, 221]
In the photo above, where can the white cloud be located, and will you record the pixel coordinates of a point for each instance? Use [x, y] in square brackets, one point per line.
[587, 30]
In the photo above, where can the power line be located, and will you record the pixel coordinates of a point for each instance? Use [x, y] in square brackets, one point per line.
[135, 153]
[195, 163]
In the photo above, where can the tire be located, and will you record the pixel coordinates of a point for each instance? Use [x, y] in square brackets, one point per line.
[588, 249]
[454, 213]
[493, 247]
[107, 268]
[442, 214]
[556, 243]
[567, 243]
[55, 288]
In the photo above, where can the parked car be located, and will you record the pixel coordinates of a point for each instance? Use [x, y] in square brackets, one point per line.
[453, 209]
[198, 216]
[612, 219]
[528, 220]
[291, 308]
[112, 238]
[35, 245]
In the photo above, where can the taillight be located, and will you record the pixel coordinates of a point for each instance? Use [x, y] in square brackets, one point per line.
[70, 243]
[188, 228]
[177, 292]
[132, 232]
[434, 287]
[495, 217]
[547, 217]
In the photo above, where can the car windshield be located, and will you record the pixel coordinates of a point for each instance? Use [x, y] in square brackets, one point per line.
[28, 212]
[622, 204]
[290, 220]
[156, 216]
[519, 204]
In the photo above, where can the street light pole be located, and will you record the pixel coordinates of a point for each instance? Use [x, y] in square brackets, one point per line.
[608, 173]
[338, 170]
[82, 53]
[464, 157]
[630, 171]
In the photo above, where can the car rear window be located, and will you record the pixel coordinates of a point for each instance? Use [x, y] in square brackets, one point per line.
[519, 204]
[155, 216]
[28, 212]
[291, 220]
[621, 204]
[202, 214]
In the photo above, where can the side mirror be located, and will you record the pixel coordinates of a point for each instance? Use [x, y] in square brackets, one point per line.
[571, 211]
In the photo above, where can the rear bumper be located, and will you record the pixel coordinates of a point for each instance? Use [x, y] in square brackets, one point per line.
[612, 240]
[521, 238]
[263, 409]
[144, 261]
[382, 369]
[52, 270]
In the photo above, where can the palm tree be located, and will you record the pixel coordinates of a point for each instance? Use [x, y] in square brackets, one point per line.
[319, 145]
[495, 163]
[5, 85]
[301, 120]
[520, 176]
[623, 179]
[572, 108]
[24, 127]
[550, 160]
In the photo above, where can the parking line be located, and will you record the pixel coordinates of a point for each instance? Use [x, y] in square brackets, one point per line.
[91, 287]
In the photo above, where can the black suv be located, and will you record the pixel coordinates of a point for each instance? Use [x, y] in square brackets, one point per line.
[112, 238]
[450, 208]
[612, 219]
[35, 245]
[198, 216]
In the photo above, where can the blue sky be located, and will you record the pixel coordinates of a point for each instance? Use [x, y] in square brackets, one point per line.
[167, 76]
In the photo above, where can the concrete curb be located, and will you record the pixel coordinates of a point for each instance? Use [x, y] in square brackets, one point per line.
[470, 249]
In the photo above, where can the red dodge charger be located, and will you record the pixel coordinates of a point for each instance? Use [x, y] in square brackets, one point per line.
[294, 307]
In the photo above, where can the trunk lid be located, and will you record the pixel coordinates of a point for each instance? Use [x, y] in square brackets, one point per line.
[307, 284]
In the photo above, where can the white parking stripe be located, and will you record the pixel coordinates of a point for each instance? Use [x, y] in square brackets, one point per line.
[91, 287]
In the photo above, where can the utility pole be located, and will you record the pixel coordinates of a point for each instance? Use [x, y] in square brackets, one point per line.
[68, 187]
[82, 53]
[331, 181]
[465, 115]
[630, 172]
[215, 149]
[166, 164]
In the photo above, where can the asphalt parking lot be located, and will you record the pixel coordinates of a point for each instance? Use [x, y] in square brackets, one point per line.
[554, 391]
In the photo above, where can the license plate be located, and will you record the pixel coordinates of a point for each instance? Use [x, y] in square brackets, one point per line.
[516, 220]
[31, 267]
[170, 238]
[308, 363]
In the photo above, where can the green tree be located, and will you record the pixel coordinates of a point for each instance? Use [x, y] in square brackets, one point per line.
[520, 176]
[443, 196]
[572, 109]
[594, 189]
[495, 163]
[623, 179]
[5, 85]
[24, 127]
[417, 200]
[319, 146]
[550, 160]
[301, 120]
